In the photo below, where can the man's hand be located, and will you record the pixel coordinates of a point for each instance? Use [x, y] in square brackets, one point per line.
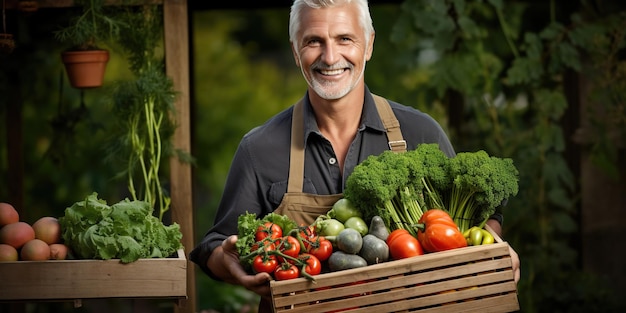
[517, 271]
[497, 228]
[256, 283]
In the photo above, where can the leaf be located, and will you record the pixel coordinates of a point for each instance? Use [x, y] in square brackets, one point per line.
[552, 32]
[524, 71]
[469, 28]
[433, 18]
[497, 4]
[569, 55]
[455, 71]
[586, 35]
[551, 103]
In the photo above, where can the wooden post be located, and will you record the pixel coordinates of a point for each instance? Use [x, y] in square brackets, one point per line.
[175, 16]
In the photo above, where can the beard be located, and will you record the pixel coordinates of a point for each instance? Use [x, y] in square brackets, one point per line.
[329, 89]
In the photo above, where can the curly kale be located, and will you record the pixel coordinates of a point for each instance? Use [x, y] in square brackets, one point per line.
[481, 183]
[399, 187]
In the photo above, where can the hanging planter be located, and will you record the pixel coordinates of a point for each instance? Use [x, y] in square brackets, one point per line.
[94, 24]
[85, 69]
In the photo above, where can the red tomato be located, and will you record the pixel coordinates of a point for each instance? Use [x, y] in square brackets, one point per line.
[308, 236]
[286, 271]
[290, 246]
[403, 245]
[267, 246]
[264, 264]
[322, 249]
[439, 232]
[268, 229]
[313, 264]
[395, 234]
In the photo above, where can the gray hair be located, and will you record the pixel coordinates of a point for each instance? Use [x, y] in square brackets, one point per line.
[365, 19]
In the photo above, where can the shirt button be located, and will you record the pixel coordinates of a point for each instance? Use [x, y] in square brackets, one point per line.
[332, 161]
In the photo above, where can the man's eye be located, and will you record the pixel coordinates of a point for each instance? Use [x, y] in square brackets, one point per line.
[313, 42]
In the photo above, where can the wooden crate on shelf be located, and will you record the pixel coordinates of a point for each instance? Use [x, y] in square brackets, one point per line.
[471, 279]
[75, 280]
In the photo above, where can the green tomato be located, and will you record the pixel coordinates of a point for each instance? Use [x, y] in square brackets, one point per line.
[330, 227]
[357, 224]
[343, 210]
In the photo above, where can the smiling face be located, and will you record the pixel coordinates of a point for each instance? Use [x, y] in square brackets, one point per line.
[331, 50]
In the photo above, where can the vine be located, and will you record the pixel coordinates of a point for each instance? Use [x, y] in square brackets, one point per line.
[145, 107]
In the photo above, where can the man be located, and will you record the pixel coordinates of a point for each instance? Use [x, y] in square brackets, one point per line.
[335, 126]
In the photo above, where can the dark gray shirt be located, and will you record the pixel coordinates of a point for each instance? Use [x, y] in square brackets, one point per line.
[258, 175]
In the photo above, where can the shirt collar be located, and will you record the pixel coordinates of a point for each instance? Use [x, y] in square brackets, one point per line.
[369, 117]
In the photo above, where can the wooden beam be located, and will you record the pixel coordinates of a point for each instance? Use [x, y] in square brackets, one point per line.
[176, 30]
[13, 4]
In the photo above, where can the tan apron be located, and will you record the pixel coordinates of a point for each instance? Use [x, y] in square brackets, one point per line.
[304, 208]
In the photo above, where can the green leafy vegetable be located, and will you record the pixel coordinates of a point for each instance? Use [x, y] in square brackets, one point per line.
[400, 187]
[126, 230]
[481, 183]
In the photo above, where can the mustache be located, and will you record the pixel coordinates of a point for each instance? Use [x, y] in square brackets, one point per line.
[321, 65]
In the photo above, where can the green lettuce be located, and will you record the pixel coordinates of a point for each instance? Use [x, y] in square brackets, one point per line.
[127, 230]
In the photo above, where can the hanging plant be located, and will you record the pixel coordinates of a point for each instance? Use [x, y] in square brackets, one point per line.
[85, 62]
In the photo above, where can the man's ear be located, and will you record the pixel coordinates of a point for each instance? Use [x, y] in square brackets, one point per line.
[370, 47]
[295, 55]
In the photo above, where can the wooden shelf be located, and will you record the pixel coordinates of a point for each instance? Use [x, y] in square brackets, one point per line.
[75, 280]
[177, 67]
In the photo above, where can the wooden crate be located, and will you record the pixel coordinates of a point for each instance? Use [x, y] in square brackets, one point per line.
[74, 280]
[471, 279]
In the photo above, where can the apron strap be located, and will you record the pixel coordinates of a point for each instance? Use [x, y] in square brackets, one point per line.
[296, 162]
[394, 134]
[296, 155]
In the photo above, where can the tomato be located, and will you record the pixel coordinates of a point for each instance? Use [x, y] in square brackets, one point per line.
[403, 245]
[322, 249]
[290, 246]
[309, 237]
[264, 264]
[313, 264]
[395, 234]
[268, 229]
[439, 232]
[286, 271]
[267, 246]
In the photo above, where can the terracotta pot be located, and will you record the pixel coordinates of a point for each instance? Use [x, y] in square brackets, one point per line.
[85, 69]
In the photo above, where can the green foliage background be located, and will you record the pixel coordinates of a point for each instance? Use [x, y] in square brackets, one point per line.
[496, 74]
